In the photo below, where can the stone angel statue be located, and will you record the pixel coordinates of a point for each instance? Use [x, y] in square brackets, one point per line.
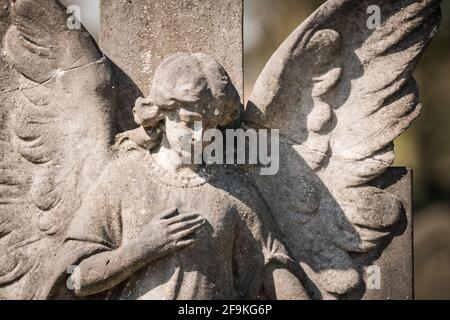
[86, 212]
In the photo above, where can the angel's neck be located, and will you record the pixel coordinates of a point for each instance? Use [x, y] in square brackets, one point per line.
[172, 160]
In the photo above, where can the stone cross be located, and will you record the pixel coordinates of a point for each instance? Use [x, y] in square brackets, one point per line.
[137, 35]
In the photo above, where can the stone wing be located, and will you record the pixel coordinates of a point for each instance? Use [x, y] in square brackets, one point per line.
[55, 135]
[340, 90]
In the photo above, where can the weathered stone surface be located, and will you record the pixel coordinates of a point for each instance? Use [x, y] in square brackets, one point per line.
[56, 128]
[340, 93]
[395, 259]
[138, 35]
[156, 227]
[135, 220]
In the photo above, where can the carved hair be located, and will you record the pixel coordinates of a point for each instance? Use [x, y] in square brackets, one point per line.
[190, 80]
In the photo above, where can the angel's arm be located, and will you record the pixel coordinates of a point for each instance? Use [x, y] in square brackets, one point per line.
[164, 235]
[105, 270]
[98, 223]
[258, 241]
[94, 238]
[281, 275]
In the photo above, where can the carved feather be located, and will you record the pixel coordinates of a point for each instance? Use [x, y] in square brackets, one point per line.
[340, 93]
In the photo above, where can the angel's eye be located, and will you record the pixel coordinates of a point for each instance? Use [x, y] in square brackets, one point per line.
[189, 116]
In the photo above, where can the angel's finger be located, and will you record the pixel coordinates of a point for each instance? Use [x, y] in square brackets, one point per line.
[183, 217]
[167, 214]
[186, 225]
[185, 243]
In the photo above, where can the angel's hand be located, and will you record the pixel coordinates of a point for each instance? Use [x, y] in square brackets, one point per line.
[170, 231]
[165, 234]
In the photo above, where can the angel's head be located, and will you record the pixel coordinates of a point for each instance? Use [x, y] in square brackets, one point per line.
[188, 89]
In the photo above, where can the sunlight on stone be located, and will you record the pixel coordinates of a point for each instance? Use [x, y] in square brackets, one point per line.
[90, 14]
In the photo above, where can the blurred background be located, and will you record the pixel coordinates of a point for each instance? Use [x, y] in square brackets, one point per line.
[425, 147]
